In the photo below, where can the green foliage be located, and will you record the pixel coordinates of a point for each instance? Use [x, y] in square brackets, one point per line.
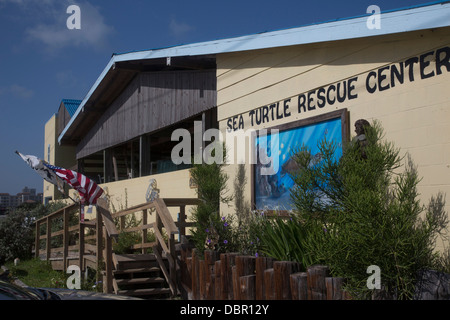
[37, 273]
[125, 242]
[361, 211]
[16, 230]
[128, 239]
[242, 207]
[211, 189]
[220, 235]
[16, 236]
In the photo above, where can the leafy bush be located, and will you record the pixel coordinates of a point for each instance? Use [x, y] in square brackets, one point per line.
[211, 189]
[16, 230]
[282, 238]
[362, 210]
[125, 242]
[16, 236]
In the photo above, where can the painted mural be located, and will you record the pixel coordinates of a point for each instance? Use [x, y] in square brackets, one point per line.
[272, 192]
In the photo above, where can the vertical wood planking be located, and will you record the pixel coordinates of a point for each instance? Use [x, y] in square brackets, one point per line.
[210, 277]
[335, 288]
[262, 263]
[227, 263]
[316, 282]
[245, 265]
[282, 271]
[247, 287]
[299, 286]
[269, 284]
[151, 101]
[218, 281]
[231, 276]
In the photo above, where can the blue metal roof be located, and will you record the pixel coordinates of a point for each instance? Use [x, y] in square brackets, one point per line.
[71, 105]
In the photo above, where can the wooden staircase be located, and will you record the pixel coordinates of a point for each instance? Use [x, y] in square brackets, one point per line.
[139, 275]
[142, 275]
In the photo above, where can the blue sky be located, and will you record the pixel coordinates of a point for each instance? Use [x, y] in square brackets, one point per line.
[42, 61]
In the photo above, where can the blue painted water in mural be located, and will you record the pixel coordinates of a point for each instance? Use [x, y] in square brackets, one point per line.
[273, 192]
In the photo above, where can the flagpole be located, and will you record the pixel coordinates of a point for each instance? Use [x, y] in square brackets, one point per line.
[67, 195]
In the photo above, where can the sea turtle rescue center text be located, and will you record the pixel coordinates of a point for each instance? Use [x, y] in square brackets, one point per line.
[420, 67]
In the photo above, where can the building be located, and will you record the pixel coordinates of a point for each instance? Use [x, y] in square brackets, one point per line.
[321, 77]
[28, 195]
[5, 202]
[54, 153]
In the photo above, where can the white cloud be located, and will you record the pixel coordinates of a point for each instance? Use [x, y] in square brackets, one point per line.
[17, 91]
[51, 28]
[179, 29]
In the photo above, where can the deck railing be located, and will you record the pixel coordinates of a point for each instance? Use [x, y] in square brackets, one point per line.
[58, 220]
[94, 249]
[165, 230]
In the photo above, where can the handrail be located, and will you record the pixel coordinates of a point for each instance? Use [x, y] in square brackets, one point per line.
[64, 213]
[102, 208]
[106, 231]
[56, 213]
[163, 219]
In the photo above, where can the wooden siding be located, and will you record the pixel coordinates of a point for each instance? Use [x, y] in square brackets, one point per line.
[152, 101]
[63, 118]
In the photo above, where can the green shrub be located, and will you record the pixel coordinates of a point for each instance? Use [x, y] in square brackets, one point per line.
[125, 242]
[16, 236]
[282, 238]
[361, 211]
[211, 184]
[16, 230]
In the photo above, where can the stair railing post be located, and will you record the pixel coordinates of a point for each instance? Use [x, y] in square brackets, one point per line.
[158, 226]
[65, 238]
[81, 246]
[182, 221]
[173, 261]
[99, 243]
[37, 239]
[144, 230]
[49, 238]
[108, 262]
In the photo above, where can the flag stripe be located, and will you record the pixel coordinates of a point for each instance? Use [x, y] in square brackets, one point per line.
[89, 191]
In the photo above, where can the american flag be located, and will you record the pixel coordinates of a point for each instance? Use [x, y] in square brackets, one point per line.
[89, 191]
[39, 166]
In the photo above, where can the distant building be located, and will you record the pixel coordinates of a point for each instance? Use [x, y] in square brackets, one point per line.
[54, 153]
[11, 201]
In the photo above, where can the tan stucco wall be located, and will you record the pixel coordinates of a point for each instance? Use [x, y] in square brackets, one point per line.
[49, 139]
[415, 114]
[127, 193]
[62, 156]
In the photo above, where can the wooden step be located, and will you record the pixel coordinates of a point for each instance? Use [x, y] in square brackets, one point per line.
[144, 292]
[134, 261]
[136, 270]
[135, 281]
[139, 275]
[134, 257]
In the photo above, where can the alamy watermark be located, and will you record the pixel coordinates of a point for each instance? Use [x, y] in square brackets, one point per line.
[74, 20]
[74, 280]
[373, 21]
[265, 154]
[374, 281]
